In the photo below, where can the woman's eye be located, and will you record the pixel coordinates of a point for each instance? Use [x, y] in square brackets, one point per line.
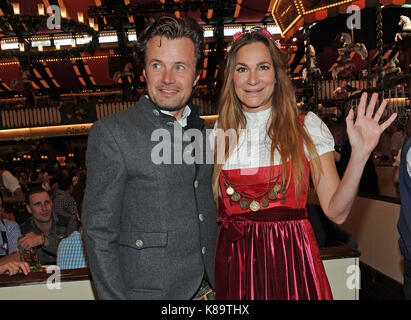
[265, 67]
[241, 69]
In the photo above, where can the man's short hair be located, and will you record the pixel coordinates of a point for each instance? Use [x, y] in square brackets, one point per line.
[173, 28]
[64, 181]
[33, 190]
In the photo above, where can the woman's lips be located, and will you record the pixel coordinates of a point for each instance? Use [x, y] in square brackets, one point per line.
[253, 91]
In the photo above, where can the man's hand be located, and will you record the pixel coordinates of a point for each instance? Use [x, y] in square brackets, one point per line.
[29, 241]
[14, 267]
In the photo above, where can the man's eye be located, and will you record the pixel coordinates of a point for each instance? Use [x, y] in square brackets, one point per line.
[156, 66]
[180, 67]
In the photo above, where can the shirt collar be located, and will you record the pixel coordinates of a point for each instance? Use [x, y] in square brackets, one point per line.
[183, 120]
[54, 220]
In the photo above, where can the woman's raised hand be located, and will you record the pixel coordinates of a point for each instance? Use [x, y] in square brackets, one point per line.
[364, 133]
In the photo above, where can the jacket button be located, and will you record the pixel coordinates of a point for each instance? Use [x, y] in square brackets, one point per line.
[196, 184]
[139, 243]
[156, 112]
[170, 123]
[201, 217]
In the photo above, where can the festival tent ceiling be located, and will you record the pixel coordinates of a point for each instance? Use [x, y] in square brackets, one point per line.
[100, 71]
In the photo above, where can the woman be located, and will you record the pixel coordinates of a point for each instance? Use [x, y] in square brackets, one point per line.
[266, 248]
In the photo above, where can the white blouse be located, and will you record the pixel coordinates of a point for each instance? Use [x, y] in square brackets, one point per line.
[253, 149]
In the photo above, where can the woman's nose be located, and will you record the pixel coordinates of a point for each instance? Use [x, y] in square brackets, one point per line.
[252, 78]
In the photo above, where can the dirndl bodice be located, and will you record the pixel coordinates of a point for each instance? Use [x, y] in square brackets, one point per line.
[271, 253]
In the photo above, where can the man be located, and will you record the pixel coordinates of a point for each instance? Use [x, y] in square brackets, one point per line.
[43, 230]
[13, 196]
[10, 233]
[71, 253]
[150, 227]
[404, 221]
[63, 202]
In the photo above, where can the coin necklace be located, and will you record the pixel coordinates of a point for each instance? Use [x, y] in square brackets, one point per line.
[272, 191]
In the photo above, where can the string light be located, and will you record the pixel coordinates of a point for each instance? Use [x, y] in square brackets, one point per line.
[40, 7]
[301, 13]
[16, 8]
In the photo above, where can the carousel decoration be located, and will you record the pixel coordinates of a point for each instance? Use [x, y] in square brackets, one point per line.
[126, 72]
[405, 23]
[311, 71]
[23, 27]
[392, 68]
[344, 65]
[379, 43]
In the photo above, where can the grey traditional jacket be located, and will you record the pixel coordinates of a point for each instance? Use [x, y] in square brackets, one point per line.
[149, 219]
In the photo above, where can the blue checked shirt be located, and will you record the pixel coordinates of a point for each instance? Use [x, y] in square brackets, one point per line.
[13, 233]
[71, 252]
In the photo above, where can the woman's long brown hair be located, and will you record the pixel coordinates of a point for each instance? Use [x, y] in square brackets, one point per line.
[285, 131]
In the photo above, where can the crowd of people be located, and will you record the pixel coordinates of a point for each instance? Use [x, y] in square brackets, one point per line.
[40, 217]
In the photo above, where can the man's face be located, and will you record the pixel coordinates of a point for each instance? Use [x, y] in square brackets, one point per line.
[40, 206]
[170, 72]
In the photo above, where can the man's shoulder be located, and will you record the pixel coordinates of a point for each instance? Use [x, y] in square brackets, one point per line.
[64, 220]
[122, 119]
[117, 118]
[26, 226]
[73, 237]
[10, 225]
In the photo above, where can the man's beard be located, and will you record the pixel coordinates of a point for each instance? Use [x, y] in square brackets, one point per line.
[172, 108]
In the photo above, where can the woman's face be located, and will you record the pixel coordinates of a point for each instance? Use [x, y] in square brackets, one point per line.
[254, 77]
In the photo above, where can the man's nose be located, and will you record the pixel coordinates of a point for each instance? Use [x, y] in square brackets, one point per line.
[168, 76]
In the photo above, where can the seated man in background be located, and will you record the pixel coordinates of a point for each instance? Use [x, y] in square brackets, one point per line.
[10, 233]
[43, 230]
[13, 196]
[71, 252]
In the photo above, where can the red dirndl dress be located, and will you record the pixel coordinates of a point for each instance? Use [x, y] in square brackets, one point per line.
[270, 254]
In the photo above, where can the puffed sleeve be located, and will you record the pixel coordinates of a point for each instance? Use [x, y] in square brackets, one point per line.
[320, 134]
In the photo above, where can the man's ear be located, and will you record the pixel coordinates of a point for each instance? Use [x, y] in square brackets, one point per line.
[144, 73]
[28, 208]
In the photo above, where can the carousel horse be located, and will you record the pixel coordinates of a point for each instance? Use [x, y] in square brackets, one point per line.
[349, 46]
[392, 68]
[405, 23]
[344, 52]
[314, 70]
